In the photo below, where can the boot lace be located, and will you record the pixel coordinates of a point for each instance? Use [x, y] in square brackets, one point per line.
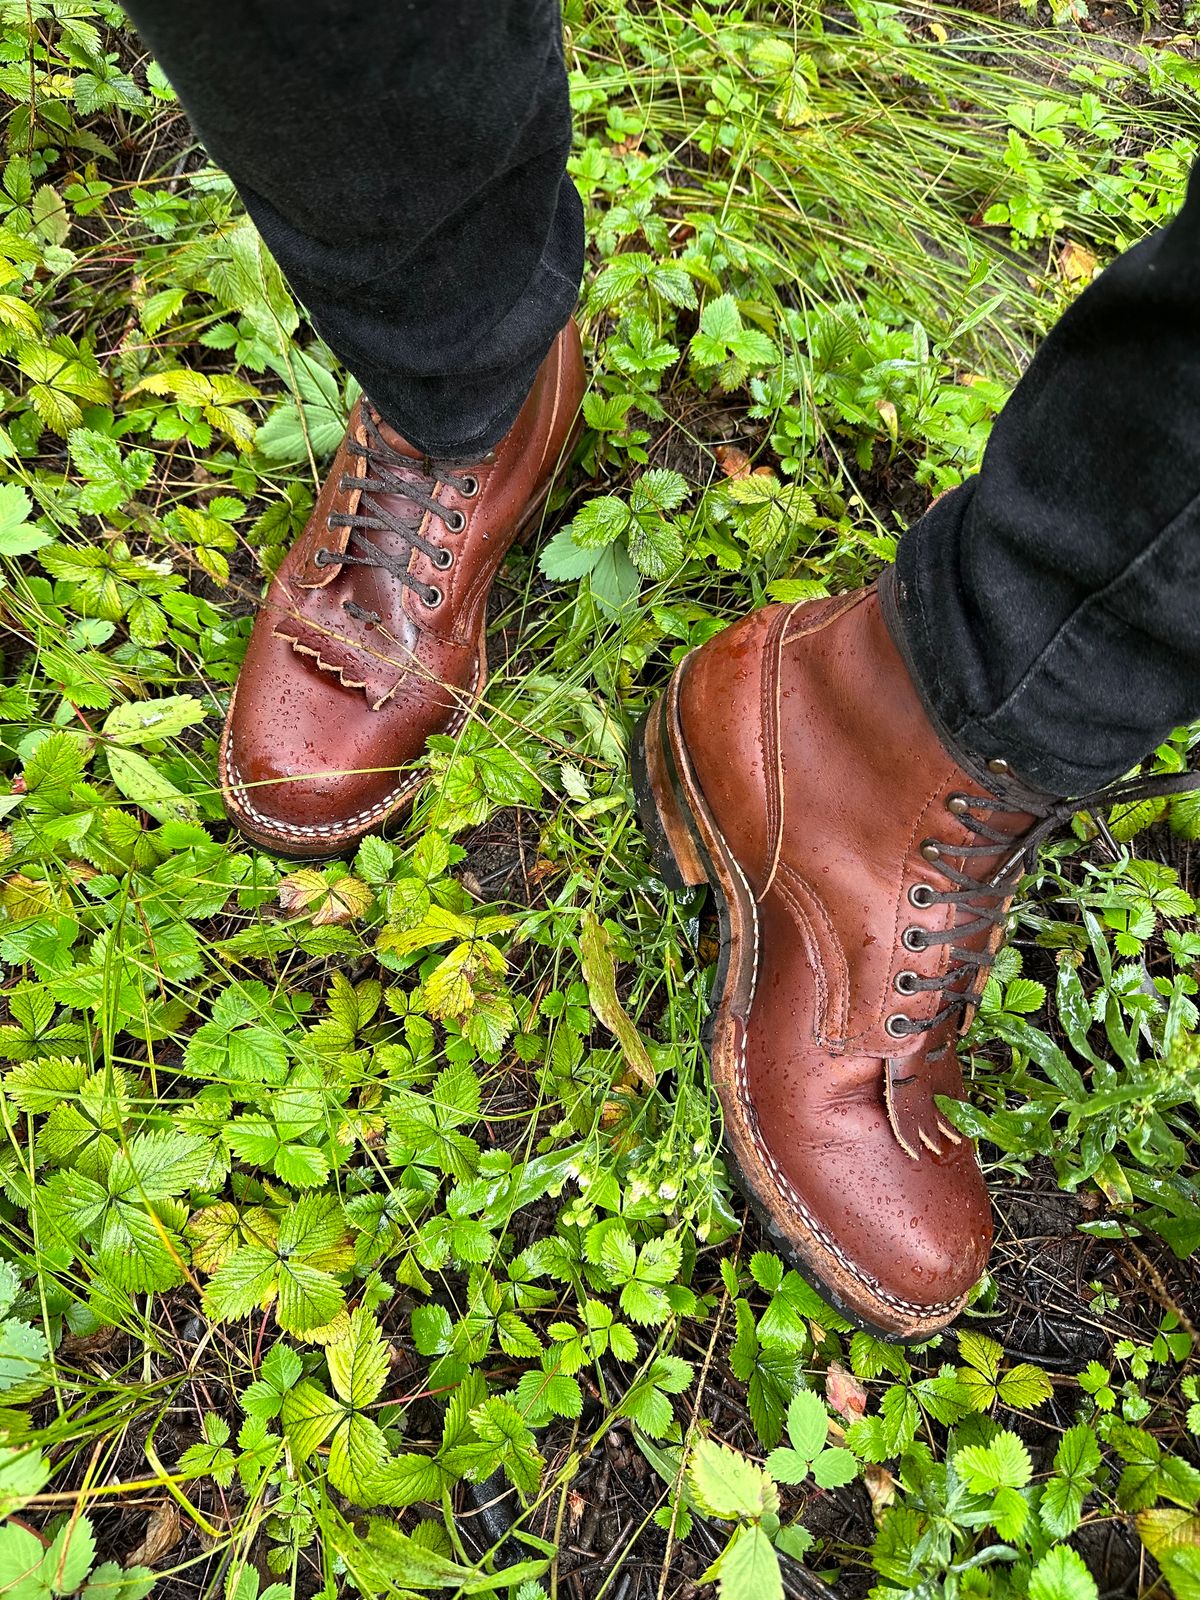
[980, 903]
[419, 487]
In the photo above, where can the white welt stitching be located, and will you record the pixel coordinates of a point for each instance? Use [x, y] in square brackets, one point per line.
[238, 787]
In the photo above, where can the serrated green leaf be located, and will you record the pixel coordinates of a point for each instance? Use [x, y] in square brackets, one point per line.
[358, 1363]
[722, 1483]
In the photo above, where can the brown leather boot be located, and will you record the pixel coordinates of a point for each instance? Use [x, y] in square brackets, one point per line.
[372, 634]
[863, 877]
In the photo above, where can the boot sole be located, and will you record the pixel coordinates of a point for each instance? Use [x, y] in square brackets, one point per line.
[396, 811]
[689, 851]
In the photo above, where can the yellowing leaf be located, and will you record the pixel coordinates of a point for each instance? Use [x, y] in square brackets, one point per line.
[1168, 1528]
[600, 975]
[307, 890]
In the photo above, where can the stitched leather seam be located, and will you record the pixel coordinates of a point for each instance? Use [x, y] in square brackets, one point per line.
[558, 389]
[340, 463]
[772, 750]
[816, 904]
[835, 609]
[818, 967]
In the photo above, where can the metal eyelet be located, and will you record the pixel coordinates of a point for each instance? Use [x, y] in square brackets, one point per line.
[959, 805]
[469, 487]
[433, 597]
[455, 521]
[443, 559]
[931, 851]
[921, 896]
[913, 939]
[896, 1026]
[906, 982]
[321, 559]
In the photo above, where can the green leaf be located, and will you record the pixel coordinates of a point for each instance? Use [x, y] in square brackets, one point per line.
[18, 536]
[157, 1166]
[113, 477]
[112, 1582]
[613, 581]
[358, 1457]
[301, 1166]
[245, 1283]
[788, 1466]
[21, 1554]
[142, 722]
[387, 1559]
[309, 1416]
[747, 1569]
[358, 1363]
[1025, 1387]
[1004, 1463]
[308, 1297]
[564, 561]
[24, 1473]
[142, 783]
[315, 418]
[834, 1467]
[722, 1483]
[807, 1423]
[280, 1371]
[69, 1559]
[598, 522]
[23, 1350]
[1062, 1575]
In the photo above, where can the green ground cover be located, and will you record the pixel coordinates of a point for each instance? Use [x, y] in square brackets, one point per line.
[363, 1227]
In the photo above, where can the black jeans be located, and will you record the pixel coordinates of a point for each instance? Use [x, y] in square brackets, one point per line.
[405, 164]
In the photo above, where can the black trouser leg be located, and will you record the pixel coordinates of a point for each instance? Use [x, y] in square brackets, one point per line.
[1050, 607]
[405, 163]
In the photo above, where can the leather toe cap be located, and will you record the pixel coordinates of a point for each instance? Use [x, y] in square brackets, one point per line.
[306, 764]
[901, 1237]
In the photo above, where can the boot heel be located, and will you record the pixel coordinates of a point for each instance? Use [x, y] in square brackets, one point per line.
[662, 813]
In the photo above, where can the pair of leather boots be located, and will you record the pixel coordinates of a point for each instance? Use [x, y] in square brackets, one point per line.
[863, 871]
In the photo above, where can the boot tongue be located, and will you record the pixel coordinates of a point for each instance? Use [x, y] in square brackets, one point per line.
[395, 441]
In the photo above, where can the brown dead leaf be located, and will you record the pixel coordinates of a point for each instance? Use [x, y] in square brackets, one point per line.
[88, 1344]
[845, 1393]
[1076, 264]
[881, 1486]
[576, 1506]
[163, 1533]
[734, 463]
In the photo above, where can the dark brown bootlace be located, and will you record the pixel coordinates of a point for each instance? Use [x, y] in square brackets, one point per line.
[419, 488]
[981, 903]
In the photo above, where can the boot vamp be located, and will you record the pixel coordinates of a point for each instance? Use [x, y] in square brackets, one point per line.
[306, 751]
[856, 1138]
